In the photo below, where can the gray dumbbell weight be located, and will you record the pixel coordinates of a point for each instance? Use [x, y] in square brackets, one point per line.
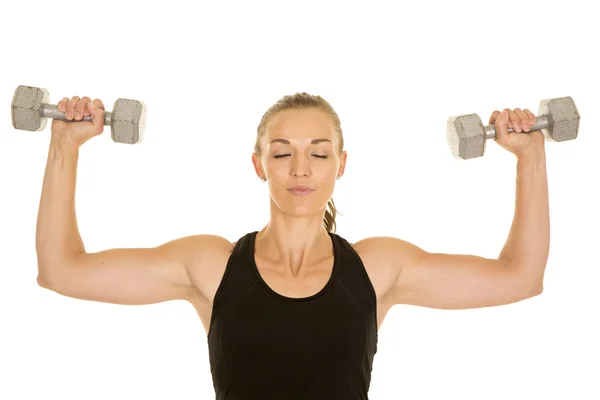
[558, 119]
[30, 110]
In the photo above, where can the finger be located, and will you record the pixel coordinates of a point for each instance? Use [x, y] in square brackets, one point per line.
[494, 116]
[62, 105]
[80, 106]
[71, 107]
[530, 116]
[508, 123]
[515, 121]
[99, 103]
[524, 120]
[501, 125]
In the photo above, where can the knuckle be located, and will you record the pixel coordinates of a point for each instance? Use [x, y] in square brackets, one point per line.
[81, 103]
[99, 103]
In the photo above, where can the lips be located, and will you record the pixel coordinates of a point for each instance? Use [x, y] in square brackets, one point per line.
[300, 190]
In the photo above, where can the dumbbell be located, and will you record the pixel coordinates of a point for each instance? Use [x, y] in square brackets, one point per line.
[30, 110]
[558, 119]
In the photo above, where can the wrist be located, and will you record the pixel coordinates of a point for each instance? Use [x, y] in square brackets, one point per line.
[64, 142]
[531, 163]
[531, 159]
[531, 155]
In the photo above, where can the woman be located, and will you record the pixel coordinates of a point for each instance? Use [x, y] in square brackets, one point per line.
[292, 311]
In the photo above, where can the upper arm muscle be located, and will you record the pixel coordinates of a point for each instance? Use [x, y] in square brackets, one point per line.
[130, 276]
[446, 281]
[453, 281]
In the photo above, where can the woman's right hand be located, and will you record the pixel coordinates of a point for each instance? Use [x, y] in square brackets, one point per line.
[75, 110]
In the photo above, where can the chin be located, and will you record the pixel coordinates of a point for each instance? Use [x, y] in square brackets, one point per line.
[299, 209]
[300, 206]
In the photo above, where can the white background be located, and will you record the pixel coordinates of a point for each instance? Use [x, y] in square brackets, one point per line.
[394, 72]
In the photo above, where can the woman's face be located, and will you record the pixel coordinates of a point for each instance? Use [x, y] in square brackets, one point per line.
[300, 147]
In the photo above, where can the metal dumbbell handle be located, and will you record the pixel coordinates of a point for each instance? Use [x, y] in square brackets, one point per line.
[51, 111]
[541, 122]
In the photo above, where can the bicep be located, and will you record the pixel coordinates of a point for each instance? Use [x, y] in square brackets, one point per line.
[455, 281]
[128, 276]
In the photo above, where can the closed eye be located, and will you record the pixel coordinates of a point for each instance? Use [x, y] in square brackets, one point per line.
[285, 155]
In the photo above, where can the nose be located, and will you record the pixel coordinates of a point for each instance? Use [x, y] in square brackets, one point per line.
[300, 167]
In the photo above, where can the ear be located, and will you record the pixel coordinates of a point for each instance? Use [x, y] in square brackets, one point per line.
[258, 166]
[343, 159]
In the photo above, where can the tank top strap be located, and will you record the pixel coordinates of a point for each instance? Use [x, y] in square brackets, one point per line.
[238, 277]
[353, 276]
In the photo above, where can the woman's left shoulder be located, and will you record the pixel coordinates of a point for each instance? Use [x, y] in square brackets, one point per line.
[382, 258]
[385, 249]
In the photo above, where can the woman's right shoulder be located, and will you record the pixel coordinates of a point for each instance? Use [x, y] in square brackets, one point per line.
[198, 252]
[205, 257]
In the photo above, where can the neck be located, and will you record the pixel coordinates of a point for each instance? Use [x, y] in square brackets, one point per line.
[294, 242]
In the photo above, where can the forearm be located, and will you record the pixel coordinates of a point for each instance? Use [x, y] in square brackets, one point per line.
[57, 235]
[528, 242]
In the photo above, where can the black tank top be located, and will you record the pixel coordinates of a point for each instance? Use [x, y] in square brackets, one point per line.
[266, 346]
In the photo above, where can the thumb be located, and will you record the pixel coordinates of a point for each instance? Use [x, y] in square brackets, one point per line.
[97, 116]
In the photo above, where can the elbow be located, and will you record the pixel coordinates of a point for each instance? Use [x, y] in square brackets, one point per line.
[52, 283]
[47, 278]
[539, 288]
[42, 276]
[43, 282]
[45, 269]
[527, 292]
[529, 279]
[52, 272]
[536, 289]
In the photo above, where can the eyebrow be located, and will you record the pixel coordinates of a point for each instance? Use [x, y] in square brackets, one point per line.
[314, 141]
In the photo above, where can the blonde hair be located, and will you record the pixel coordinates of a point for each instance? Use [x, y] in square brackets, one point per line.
[305, 101]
